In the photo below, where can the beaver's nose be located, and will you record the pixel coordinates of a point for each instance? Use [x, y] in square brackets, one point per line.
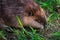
[42, 21]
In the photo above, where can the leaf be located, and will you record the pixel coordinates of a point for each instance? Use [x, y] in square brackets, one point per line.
[56, 34]
[52, 17]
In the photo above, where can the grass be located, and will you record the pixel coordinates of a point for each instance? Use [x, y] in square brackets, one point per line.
[23, 34]
[32, 35]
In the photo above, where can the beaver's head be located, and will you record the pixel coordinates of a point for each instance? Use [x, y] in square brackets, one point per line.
[33, 15]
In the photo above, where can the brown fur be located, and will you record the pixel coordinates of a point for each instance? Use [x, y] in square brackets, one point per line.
[29, 12]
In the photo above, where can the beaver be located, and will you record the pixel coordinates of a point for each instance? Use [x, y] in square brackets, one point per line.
[27, 10]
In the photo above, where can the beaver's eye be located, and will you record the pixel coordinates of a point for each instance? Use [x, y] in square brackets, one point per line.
[30, 13]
